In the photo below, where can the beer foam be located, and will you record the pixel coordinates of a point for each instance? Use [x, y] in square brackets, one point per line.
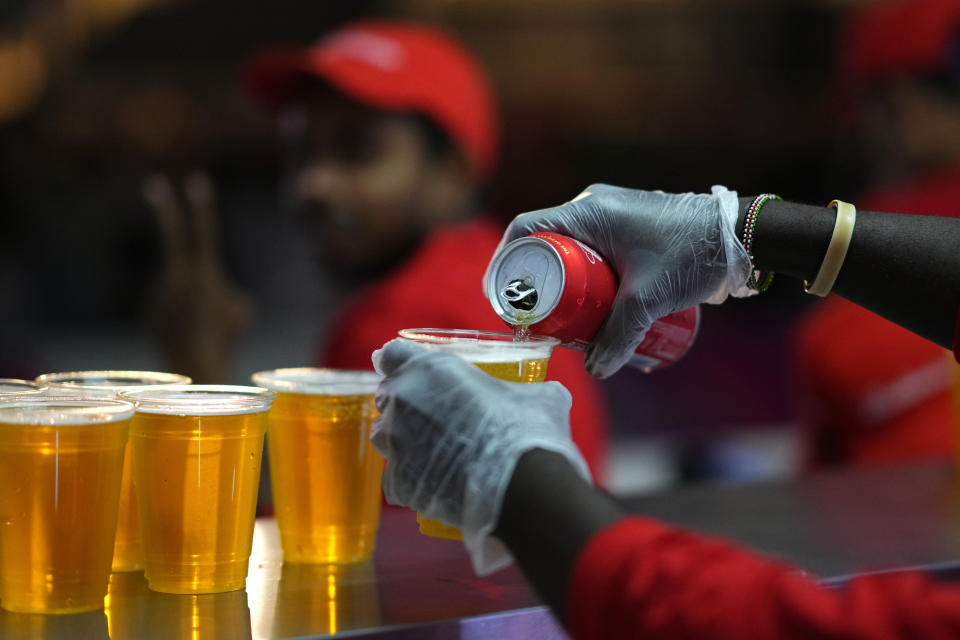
[63, 413]
[197, 406]
[200, 400]
[475, 351]
[482, 346]
[317, 381]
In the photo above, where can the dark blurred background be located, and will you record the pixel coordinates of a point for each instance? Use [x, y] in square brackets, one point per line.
[679, 95]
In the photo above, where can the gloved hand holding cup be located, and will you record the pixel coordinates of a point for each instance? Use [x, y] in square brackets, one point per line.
[452, 436]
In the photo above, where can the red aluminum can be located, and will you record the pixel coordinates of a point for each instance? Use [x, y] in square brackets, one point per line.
[560, 287]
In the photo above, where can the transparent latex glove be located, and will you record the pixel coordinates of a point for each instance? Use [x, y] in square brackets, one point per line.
[670, 251]
[452, 436]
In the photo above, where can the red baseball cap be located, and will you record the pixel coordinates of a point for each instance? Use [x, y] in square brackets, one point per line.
[886, 39]
[393, 66]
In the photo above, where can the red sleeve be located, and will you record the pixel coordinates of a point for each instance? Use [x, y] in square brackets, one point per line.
[357, 332]
[639, 578]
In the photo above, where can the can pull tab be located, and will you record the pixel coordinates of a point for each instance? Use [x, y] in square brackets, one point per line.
[520, 295]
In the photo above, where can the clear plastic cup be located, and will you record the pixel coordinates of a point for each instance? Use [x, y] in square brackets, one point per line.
[106, 382]
[127, 548]
[497, 353]
[60, 466]
[324, 472]
[196, 468]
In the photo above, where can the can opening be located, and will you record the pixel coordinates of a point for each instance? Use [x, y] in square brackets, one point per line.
[520, 294]
[526, 281]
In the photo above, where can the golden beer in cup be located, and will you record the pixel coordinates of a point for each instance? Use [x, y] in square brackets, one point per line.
[15, 387]
[324, 471]
[60, 465]
[196, 468]
[497, 354]
[127, 548]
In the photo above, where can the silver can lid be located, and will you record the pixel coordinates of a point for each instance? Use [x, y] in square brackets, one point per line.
[526, 281]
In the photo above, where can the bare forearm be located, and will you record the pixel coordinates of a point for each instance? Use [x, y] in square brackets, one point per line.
[548, 513]
[905, 268]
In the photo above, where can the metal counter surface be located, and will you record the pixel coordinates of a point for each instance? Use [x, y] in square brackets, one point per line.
[834, 525]
[415, 587]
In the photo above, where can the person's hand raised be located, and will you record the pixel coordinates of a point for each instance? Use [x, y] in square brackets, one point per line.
[195, 312]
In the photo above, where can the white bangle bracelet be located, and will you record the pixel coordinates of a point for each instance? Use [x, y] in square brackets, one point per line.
[836, 252]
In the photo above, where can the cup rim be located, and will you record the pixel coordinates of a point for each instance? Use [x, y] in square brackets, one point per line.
[200, 399]
[482, 346]
[444, 336]
[26, 388]
[74, 411]
[339, 381]
[69, 379]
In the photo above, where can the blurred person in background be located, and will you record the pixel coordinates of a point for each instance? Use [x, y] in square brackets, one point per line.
[391, 132]
[873, 392]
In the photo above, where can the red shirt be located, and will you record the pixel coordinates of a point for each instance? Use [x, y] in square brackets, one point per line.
[873, 391]
[440, 286]
[639, 578]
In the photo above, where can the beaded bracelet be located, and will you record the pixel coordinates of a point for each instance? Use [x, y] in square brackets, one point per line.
[760, 282]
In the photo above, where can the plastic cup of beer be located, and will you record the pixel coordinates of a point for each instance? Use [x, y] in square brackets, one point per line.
[127, 548]
[60, 465]
[196, 469]
[498, 354]
[324, 472]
